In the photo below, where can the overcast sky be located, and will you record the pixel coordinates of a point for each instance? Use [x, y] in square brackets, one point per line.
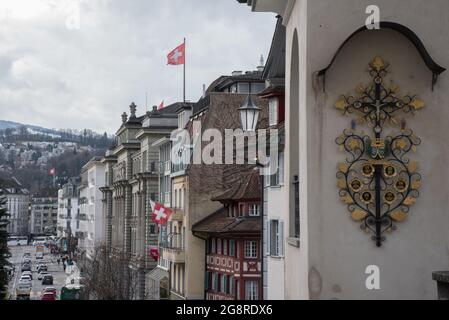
[59, 71]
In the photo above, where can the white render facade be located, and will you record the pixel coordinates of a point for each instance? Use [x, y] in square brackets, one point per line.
[330, 257]
[91, 207]
[44, 215]
[17, 203]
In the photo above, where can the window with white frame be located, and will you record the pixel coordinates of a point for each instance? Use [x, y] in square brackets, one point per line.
[219, 246]
[273, 111]
[225, 247]
[276, 235]
[251, 290]
[213, 248]
[231, 248]
[215, 281]
[231, 287]
[224, 283]
[254, 210]
[250, 249]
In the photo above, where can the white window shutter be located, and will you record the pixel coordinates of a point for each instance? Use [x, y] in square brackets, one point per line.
[281, 238]
[267, 237]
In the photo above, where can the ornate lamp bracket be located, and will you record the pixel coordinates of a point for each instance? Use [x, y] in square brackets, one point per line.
[378, 182]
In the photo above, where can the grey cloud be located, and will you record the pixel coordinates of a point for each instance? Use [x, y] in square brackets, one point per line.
[88, 77]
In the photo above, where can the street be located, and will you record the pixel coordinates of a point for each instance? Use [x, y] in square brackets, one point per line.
[57, 272]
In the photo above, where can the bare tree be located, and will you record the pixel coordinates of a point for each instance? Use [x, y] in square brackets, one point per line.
[108, 276]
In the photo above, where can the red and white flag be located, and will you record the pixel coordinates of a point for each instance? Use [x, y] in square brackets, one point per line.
[52, 171]
[161, 106]
[177, 56]
[154, 253]
[160, 213]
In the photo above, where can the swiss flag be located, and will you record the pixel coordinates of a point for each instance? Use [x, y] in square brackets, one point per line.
[161, 106]
[160, 213]
[177, 56]
[52, 171]
[154, 253]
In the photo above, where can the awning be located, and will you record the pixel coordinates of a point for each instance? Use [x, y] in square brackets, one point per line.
[157, 274]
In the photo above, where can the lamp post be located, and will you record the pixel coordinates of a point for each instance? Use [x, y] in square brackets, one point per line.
[249, 117]
[249, 114]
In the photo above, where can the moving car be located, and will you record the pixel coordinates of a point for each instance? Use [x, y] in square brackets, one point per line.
[28, 273]
[42, 267]
[26, 267]
[48, 296]
[39, 255]
[50, 290]
[47, 279]
[42, 274]
[23, 291]
[25, 279]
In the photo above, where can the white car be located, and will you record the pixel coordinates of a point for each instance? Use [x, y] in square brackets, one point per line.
[25, 279]
[27, 273]
[42, 275]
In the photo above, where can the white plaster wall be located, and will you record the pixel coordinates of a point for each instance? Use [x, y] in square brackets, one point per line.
[276, 209]
[338, 252]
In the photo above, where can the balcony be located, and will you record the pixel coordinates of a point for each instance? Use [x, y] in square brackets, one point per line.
[173, 248]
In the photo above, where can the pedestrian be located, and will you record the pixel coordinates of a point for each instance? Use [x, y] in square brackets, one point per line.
[59, 261]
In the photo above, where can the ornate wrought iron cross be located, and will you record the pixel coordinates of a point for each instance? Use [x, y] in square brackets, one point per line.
[378, 181]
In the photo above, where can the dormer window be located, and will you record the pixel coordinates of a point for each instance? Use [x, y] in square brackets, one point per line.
[254, 210]
[181, 118]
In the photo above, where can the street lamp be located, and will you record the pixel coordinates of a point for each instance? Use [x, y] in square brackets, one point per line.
[249, 115]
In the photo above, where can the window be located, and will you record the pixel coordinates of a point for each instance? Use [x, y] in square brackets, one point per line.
[276, 231]
[231, 287]
[231, 248]
[224, 284]
[213, 247]
[219, 246]
[251, 290]
[225, 247]
[237, 285]
[243, 87]
[250, 249]
[273, 111]
[277, 179]
[214, 281]
[257, 87]
[241, 210]
[254, 210]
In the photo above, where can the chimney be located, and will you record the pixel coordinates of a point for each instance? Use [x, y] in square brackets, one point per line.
[204, 90]
[154, 108]
[237, 73]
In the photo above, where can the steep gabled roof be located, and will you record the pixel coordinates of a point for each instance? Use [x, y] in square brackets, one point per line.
[249, 189]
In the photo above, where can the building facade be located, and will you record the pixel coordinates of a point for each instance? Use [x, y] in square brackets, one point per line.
[17, 203]
[327, 254]
[44, 216]
[233, 237]
[132, 179]
[69, 220]
[194, 183]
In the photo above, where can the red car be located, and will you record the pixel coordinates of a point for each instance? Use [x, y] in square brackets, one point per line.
[48, 296]
[49, 290]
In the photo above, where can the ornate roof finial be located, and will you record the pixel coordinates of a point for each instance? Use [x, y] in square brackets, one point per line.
[132, 109]
[124, 117]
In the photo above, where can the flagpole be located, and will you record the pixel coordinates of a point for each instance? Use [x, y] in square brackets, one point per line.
[184, 77]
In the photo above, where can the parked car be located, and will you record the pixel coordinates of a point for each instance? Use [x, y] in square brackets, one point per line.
[42, 274]
[28, 273]
[39, 255]
[47, 279]
[48, 296]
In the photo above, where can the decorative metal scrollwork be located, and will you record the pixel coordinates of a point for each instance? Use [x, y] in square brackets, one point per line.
[378, 182]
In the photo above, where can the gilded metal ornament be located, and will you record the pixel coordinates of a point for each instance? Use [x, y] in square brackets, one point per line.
[378, 182]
